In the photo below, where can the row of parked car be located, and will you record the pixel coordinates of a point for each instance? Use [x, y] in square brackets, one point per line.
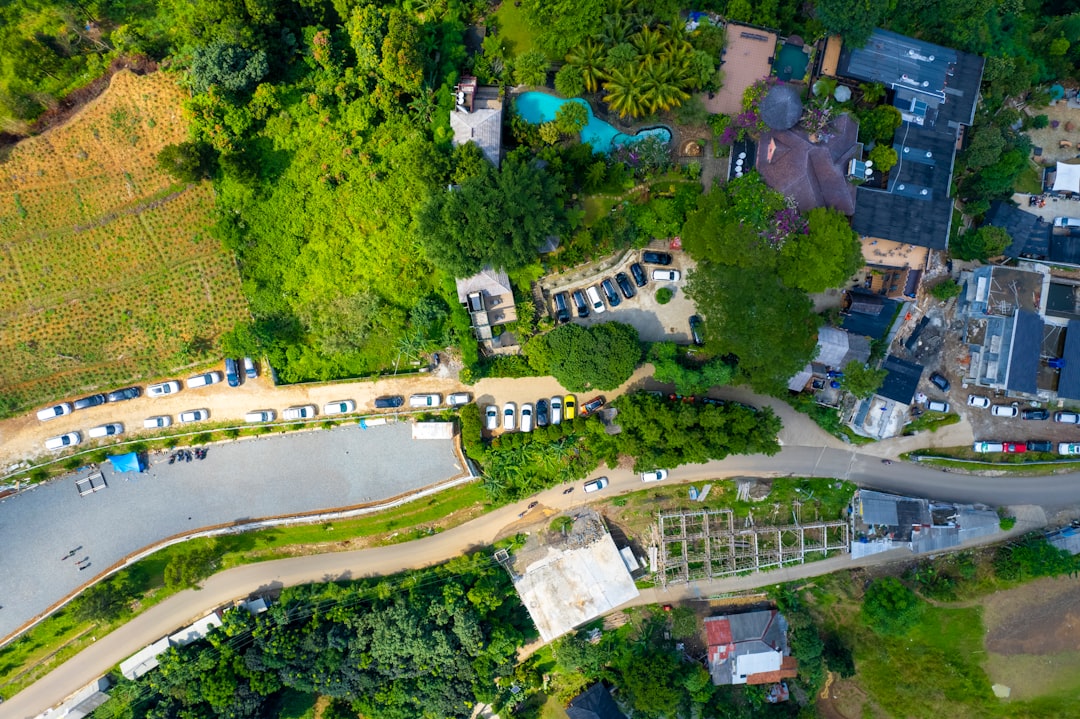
[543, 413]
[161, 389]
[589, 300]
[1032, 445]
[1013, 410]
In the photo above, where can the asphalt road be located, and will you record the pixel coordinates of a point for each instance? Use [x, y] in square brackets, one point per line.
[181, 609]
[289, 474]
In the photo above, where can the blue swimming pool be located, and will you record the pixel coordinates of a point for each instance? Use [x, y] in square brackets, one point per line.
[538, 108]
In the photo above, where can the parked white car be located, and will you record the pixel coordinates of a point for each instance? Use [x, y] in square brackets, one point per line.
[596, 485]
[425, 400]
[305, 411]
[65, 440]
[55, 411]
[106, 430]
[509, 416]
[458, 398]
[978, 402]
[342, 406]
[656, 475]
[1067, 417]
[526, 417]
[202, 380]
[935, 405]
[195, 415]
[260, 415]
[163, 389]
[666, 275]
[1005, 410]
[1068, 448]
[597, 304]
[157, 422]
[556, 410]
[984, 447]
[491, 414]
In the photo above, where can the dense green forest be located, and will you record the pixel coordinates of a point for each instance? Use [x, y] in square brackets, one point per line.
[324, 125]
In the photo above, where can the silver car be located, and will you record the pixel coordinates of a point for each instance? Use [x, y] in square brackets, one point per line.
[509, 416]
[491, 414]
[526, 418]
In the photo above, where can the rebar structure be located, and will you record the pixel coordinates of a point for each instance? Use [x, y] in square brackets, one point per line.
[705, 544]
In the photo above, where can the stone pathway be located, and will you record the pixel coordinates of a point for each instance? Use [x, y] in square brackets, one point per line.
[712, 167]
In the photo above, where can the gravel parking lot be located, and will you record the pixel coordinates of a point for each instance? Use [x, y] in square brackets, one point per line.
[250, 479]
[987, 427]
[654, 322]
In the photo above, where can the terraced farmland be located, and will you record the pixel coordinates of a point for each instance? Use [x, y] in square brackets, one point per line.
[108, 271]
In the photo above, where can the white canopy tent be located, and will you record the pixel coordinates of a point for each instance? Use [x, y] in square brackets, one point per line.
[1068, 176]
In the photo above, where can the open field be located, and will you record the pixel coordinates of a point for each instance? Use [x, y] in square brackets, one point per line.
[108, 273]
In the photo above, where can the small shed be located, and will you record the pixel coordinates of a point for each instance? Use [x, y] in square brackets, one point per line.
[129, 462]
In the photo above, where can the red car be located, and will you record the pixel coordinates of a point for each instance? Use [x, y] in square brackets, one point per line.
[592, 405]
[1015, 447]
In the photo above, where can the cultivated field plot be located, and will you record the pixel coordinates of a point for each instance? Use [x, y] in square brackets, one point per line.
[107, 267]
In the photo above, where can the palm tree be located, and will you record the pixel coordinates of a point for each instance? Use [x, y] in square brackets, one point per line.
[623, 92]
[661, 86]
[589, 58]
[650, 43]
[617, 28]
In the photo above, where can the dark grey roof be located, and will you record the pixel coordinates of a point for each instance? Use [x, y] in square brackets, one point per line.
[1026, 345]
[899, 62]
[875, 326]
[901, 380]
[915, 206]
[1069, 379]
[1030, 233]
[782, 107]
[750, 625]
[937, 89]
[594, 703]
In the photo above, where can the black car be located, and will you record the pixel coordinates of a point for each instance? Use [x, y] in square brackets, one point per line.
[562, 307]
[232, 372]
[542, 416]
[388, 402]
[609, 291]
[940, 382]
[1035, 414]
[695, 330]
[127, 393]
[624, 284]
[640, 278]
[656, 258]
[581, 303]
[1040, 445]
[92, 401]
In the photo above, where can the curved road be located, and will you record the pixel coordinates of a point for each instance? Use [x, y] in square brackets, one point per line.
[1054, 492]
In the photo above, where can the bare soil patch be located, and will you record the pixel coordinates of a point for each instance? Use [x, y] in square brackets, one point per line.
[1040, 617]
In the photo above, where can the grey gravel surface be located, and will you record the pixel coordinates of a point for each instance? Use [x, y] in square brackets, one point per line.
[250, 479]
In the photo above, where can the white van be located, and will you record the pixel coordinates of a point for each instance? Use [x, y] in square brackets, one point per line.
[425, 400]
[201, 380]
[983, 447]
[1066, 222]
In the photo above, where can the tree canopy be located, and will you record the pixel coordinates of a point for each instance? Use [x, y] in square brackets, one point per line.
[860, 380]
[499, 218]
[826, 256]
[599, 357]
[855, 20]
[657, 432]
[769, 328]
[981, 243]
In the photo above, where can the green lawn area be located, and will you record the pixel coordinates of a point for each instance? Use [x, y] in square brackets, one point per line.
[597, 206]
[513, 28]
[61, 636]
[930, 421]
[1030, 180]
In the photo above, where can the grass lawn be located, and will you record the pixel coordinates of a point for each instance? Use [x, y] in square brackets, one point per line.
[514, 28]
[930, 421]
[1030, 180]
[62, 636]
[597, 206]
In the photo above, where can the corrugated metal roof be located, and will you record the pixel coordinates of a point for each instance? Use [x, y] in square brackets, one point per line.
[1069, 379]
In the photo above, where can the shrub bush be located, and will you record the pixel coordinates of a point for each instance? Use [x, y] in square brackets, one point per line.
[664, 295]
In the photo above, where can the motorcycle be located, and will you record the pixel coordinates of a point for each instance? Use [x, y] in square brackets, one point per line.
[568, 490]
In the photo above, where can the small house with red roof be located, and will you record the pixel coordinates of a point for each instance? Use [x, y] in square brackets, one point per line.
[749, 648]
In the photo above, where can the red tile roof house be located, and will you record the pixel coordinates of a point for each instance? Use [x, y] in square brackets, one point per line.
[749, 648]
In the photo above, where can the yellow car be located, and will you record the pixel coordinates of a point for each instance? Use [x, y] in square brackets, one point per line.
[569, 407]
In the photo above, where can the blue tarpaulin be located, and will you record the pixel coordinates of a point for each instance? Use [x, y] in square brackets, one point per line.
[126, 462]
